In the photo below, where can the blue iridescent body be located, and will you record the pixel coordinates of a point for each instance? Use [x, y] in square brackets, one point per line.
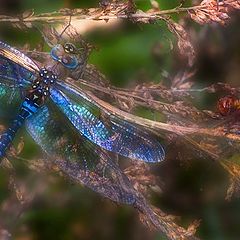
[33, 100]
[117, 135]
[66, 123]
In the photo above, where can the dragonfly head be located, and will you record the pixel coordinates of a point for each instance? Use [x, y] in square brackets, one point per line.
[72, 54]
[66, 54]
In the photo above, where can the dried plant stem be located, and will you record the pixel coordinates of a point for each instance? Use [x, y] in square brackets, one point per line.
[125, 94]
[180, 130]
[95, 14]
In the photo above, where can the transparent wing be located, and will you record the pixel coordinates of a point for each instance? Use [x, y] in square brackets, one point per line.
[81, 160]
[14, 64]
[108, 132]
[16, 73]
[91, 75]
[10, 100]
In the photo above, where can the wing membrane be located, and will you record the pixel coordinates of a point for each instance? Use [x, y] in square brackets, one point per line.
[80, 159]
[17, 57]
[10, 100]
[111, 133]
[17, 71]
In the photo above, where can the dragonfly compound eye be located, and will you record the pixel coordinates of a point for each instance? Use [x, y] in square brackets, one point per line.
[70, 48]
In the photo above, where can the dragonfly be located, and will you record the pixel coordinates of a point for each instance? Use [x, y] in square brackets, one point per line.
[69, 126]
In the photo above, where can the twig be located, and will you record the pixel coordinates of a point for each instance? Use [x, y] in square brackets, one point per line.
[95, 14]
[180, 130]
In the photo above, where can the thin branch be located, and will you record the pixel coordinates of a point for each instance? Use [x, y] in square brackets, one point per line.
[180, 130]
[95, 14]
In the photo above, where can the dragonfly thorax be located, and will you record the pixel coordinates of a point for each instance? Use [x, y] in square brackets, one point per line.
[39, 92]
[43, 83]
[47, 76]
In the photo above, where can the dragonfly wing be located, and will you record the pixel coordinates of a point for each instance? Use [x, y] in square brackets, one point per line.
[16, 69]
[10, 101]
[81, 160]
[84, 119]
[134, 142]
[91, 75]
[110, 133]
[16, 73]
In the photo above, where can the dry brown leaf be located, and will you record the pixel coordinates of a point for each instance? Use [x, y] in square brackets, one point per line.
[171, 229]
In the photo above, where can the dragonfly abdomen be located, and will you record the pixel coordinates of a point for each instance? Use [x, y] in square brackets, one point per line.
[29, 107]
[33, 100]
[7, 137]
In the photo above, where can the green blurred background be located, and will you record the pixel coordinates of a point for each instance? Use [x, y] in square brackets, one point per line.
[129, 54]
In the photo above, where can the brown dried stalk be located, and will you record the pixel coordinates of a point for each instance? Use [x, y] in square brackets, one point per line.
[97, 14]
[142, 97]
[208, 10]
[154, 125]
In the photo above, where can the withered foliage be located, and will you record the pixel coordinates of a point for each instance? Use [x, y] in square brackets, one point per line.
[184, 43]
[207, 11]
[167, 225]
[207, 133]
[214, 11]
